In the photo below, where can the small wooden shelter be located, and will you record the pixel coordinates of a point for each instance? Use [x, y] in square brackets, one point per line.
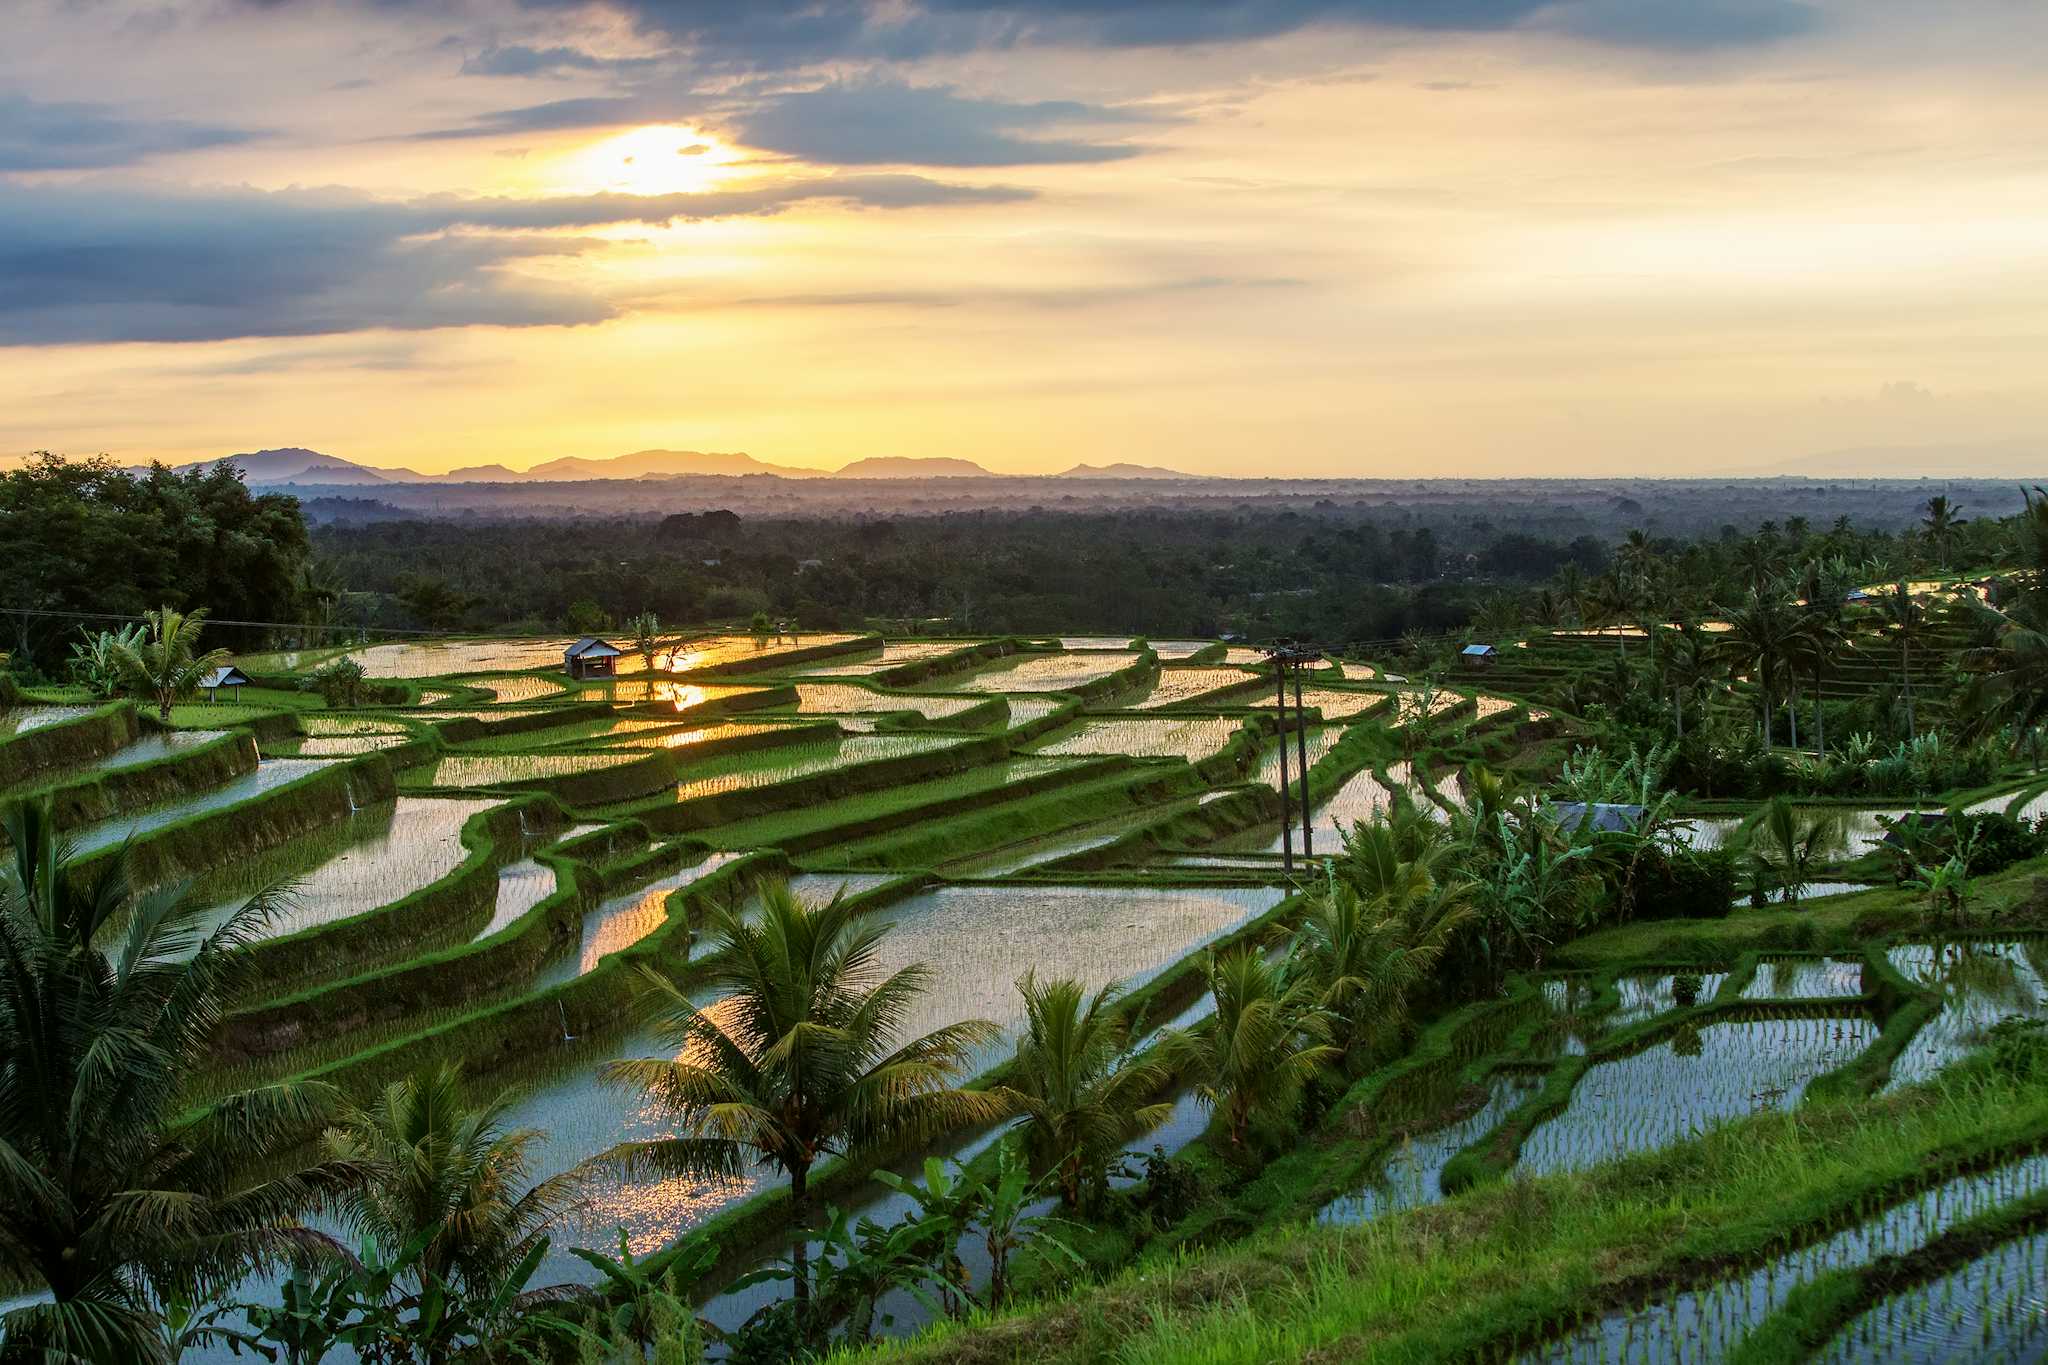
[1478, 656]
[591, 657]
[226, 676]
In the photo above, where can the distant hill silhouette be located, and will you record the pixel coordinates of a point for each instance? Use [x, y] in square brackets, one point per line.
[295, 465]
[911, 467]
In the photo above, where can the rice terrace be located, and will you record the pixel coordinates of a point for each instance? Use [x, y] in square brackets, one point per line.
[1665, 982]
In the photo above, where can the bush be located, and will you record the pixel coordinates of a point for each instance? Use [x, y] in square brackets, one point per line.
[1684, 885]
[341, 684]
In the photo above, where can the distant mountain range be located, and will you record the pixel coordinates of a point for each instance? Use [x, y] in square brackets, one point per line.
[296, 465]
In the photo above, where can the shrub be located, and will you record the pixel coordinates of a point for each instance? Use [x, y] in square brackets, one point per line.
[1684, 885]
[340, 684]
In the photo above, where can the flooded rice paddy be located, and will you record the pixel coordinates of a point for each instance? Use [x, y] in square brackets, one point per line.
[378, 855]
[1709, 1323]
[1194, 739]
[1676, 1088]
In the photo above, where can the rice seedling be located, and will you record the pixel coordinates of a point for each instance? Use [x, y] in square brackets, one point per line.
[894, 654]
[1193, 739]
[270, 774]
[1709, 1322]
[623, 920]
[757, 768]
[661, 691]
[489, 770]
[1699, 1077]
[1706, 832]
[22, 719]
[1180, 684]
[1797, 978]
[1337, 704]
[1024, 709]
[712, 652]
[1413, 1174]
[1095, 642]
[340, 746]
[522, 884]
[1178, 649]
[514, 688]
[1993, 1309]
[1979, 983]
[1038, 672]
[324, 725]
[852, 698]
[767, 831]
[1645, 995]
[436, 658]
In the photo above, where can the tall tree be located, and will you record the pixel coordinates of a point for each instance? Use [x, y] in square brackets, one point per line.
[1081, 1093]
[1366, 955]
[1940, 523]
[1904, 620]
[1760, 635]
[112, 1192]
[800, 1058]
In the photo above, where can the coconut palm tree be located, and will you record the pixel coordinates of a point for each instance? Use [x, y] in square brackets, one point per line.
[1941, 522]
[1788, 843]
[646, 628]
[1364, 956]
[1081, 1093]
[453, 1182]
[801, 1057]
[164, 666]
[1263, 1044]
[1824, 584]
[114, 1194]
[2009, 678]
[1613, 601]
[1905, 621]
[1689, 661]
[1761, 631]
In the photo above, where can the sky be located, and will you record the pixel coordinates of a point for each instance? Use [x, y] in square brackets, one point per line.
[1295, 237]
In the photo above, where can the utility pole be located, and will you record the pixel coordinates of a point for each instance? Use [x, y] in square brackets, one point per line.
[1288, 656]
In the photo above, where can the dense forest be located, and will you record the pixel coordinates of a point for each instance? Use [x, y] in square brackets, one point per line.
[93, 539]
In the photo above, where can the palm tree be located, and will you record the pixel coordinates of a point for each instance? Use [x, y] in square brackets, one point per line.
[800, 1059]
[112, 1192]
[164, 666]
[2009, 683]
[1264, 1043]
[1364, 956]
[1080, 1092]
[1688, 663]
[1941, 522]
[1824, 584]
[451, 1181]
[1760, 634]
[1904, 619]
[1788, 843]
[1613, 600]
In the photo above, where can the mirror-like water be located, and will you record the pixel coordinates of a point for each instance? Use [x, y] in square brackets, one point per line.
[623, 920]
[376, 856]
[1037, 672]
[1980, 983]
[1645, 995]
[1829, 978]
[1414, 1173]
[1690, 1082]
[271, 774]
[1193, 738]
[1994, 1309]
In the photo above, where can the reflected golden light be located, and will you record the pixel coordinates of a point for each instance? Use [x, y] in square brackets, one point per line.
[661, 159]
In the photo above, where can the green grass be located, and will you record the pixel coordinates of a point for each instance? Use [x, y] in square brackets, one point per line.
[1512, 1261]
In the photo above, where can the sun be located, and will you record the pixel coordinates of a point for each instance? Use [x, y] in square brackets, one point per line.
[663, 158]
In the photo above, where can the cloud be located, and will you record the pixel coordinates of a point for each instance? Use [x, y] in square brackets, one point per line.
[784, 34]
[100, 264]
[37, 136]
[895, 124]
[516, 59]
